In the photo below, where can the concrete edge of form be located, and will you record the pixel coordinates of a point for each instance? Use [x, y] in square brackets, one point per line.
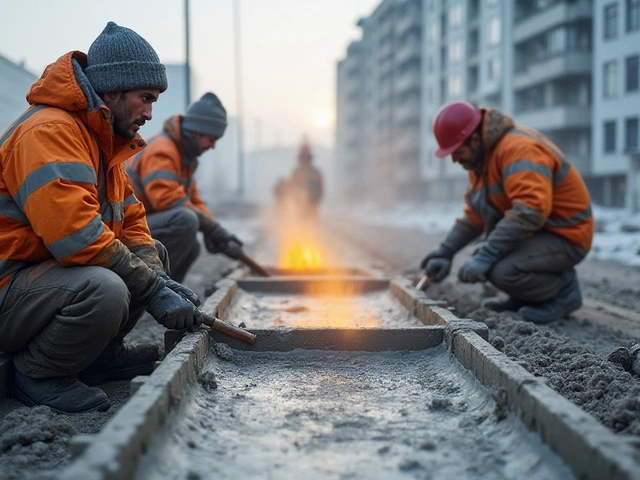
[114, 453]
[590, 449]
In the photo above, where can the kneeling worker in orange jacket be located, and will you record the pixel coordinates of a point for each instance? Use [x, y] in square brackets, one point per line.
[532, 204]
[162, 177]
[78, 266]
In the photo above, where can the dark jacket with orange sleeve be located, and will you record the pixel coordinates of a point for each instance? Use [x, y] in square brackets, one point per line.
[64, 193]
[526, 185]
[162, 176]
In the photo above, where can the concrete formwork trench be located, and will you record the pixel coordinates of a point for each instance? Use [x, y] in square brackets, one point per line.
[408, 390]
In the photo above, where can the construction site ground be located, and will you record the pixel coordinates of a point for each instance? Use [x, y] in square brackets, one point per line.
[571, 354]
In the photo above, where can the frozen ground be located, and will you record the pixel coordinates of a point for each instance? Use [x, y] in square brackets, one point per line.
[572, 353]
[617, 237]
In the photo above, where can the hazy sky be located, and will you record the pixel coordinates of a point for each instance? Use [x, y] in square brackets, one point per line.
[289, 51]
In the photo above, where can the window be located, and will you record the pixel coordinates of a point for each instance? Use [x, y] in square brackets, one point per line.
[493, 69]
[610, 21]
[631, 74]
[455, 51]
[633, 15]
[610, 79]
[434, 32]
[631, 134]
[556, 40]
[495, 32]
[610, 136]
[455, 85]
[455, 15]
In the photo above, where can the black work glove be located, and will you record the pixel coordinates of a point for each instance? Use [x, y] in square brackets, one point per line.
[477, 268]
[180, 289]
[217, 241]
[173, 311]
[234, 249]
[437, 264]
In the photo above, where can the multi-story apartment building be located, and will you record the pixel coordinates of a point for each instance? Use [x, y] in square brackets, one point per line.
[569, 68]
[350, 122]
[616, 102]
[552, 73]
[379, 95]
[464, 59]
[407, 95]
[15, 82]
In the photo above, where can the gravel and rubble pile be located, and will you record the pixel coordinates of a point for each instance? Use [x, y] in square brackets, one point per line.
[572, 354]
[600, 386]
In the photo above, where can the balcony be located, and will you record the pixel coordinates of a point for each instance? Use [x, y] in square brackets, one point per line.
[556, 118]
[409, 21]
[546, 19]
[408, 80]
[570, 63]
[407, 51]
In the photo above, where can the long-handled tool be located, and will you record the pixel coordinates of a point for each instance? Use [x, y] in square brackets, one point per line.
[235, 332]
[423, 283]
[249, 262]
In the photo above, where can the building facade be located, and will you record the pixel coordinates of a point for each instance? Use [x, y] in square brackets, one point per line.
[568, 68]
[616, 101]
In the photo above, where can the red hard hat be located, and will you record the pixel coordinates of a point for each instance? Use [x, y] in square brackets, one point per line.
[454, 122]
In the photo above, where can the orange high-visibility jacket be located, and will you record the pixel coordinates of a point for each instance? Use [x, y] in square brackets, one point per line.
[526, 185]
[162, 175]
[63, 189]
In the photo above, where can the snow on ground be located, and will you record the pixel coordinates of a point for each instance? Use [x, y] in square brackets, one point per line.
[617, 237]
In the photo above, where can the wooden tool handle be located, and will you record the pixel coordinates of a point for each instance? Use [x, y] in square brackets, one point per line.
[249, 262]
[423, 283]
[235, 332]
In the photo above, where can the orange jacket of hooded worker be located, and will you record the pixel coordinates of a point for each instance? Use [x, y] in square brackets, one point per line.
[160, 178]
[527, 178]
[70, 163]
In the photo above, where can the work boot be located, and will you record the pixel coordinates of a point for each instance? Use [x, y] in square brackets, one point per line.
[566, 301]
[121, 361]
[61, 394]
[501, 304]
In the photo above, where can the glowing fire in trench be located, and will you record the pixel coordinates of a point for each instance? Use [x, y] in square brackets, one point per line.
[333, 302]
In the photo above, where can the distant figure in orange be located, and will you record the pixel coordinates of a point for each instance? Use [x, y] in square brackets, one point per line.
[306, 184]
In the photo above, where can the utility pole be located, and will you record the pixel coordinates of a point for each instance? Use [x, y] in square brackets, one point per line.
[187, 67]
[239, 106]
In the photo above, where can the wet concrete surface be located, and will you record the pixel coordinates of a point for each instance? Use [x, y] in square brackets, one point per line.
[368, 310]
[330, 415]
[570, 353]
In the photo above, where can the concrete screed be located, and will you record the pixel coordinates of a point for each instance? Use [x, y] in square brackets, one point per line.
[306, 402]
[589, 448]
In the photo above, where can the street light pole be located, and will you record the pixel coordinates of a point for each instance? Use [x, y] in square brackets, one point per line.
[187, 67]
[239, 105]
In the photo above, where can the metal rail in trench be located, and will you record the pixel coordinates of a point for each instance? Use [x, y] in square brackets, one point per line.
[591, 450]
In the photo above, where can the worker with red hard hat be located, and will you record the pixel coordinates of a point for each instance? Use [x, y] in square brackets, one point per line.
[531, 204]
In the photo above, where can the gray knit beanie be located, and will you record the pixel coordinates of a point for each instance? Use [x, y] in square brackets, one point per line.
[206, 116]
[120, 59]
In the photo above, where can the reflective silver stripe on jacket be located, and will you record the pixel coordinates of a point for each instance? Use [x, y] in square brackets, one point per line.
[77, 240]
[478, 199]
[10, 209]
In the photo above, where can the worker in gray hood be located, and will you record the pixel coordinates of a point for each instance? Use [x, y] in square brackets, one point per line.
[162, 177]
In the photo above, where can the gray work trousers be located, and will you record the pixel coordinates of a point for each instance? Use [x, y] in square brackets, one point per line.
[535, 270]
[177, 229]
[56, 320]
